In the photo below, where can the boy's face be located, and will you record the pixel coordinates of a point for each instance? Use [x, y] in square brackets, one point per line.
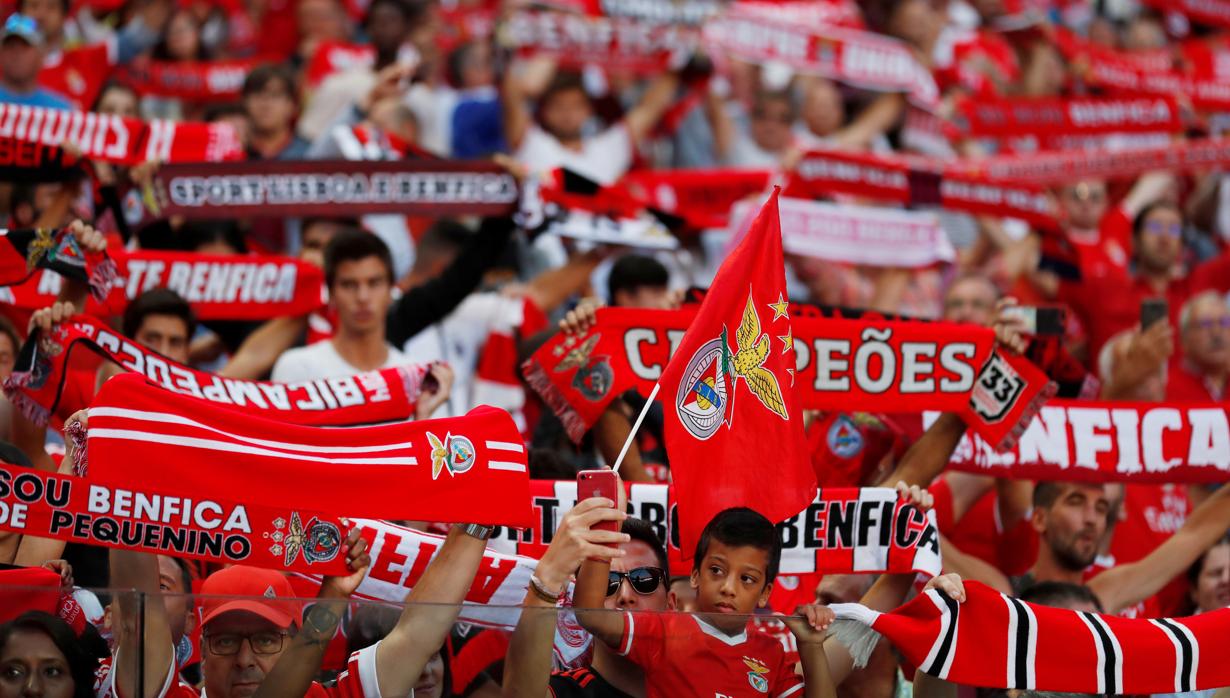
[731, 580]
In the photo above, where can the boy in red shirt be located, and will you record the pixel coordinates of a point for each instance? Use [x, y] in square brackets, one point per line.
[714, 651]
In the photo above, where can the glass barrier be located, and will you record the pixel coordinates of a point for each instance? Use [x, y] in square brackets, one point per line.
[231, 645]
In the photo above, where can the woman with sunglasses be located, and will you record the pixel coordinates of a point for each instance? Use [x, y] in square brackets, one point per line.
[638, 582]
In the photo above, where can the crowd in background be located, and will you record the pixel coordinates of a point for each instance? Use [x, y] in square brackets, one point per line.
[435, 79]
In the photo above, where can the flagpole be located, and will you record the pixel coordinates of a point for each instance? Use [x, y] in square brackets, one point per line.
[635, 426]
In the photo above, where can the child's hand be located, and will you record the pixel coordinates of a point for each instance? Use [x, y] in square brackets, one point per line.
[950, 584]
[809, 623]
[915, 495]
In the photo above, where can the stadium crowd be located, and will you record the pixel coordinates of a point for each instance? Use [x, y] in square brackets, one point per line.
[1120, 296]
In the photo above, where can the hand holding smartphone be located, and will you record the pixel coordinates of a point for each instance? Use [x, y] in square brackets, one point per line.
[600, 483]
[1152, 310]
[1039, 321]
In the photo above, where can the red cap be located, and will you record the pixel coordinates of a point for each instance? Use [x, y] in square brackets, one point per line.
[267, 594]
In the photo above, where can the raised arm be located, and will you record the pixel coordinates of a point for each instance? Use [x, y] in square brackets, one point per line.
[1125, 585]
[261, 349]
[642, 118]
[527, 666]
[926, 459]
[515, 89]
[139, 572]
[292, 676]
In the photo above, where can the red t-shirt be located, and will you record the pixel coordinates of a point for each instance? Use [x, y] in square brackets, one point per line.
[1184, 384]
[1106, 251]
[980, 532]
[1151, 515]
[358, 681]
[683, 655]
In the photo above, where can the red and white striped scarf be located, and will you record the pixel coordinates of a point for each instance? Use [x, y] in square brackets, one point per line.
[996, 641]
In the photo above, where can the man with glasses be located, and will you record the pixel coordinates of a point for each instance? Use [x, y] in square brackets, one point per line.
[1204, 326]
[638, 582]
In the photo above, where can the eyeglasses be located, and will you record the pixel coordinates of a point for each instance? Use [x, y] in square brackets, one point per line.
[1173, 230]
[1214, 323]
[644, 580]
[228, 644]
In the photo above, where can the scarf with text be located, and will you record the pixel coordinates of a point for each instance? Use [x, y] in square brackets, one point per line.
[917, 182]
[703, 198]
[844, 530]
[135, 516]
[25, 250]
[844, 363]
[335, 188]
[1215, 13]
[218, 287]
[194, 81]
[117, 139]
[470, 468]
[1005, 118]
[38, 379]
[995, 641]
[858, 58]
[23, 161]
[576, 39]
[1109, 441]
[863, 235]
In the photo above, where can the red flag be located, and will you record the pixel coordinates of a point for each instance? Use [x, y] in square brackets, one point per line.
[733, 428]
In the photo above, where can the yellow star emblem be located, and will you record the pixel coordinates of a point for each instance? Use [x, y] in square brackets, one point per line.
[779, 308]
[787, 342]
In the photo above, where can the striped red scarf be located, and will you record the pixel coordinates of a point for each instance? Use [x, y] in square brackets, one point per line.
[995, 641]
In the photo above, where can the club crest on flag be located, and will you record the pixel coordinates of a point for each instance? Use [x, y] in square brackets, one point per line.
[844, 438]
[319, 541]
[45, 245]
[455, 453]
[594, 376]
[705, 395]
[755, 676]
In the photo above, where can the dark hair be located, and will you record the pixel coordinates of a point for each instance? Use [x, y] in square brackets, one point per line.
[82, 653]
[1060, 595]
[642, 530]
[564, 81]
[9, 453]
[157, 301]
[113, 85]
[1197, 567]
[1138, 223]
[740, 527]
[445, 237]
[221, 110]
[351, 245]
[370, 622]
[550, 464]
[7, 329]
[765, 96]
[633, 271]
[1045, 493]
[412, 11]
[185, 573]
[162, 50]
[65, 5]
[196, 234]
[456, 63]
[265, 73]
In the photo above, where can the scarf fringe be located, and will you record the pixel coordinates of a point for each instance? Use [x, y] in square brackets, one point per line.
[537, 379]
[104, 276]
[76, 432]
[858, 639]
[1027, 415]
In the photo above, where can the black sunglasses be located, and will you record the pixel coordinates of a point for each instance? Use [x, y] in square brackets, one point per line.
[644, 580]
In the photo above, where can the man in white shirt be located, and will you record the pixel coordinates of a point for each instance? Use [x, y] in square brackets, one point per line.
[359, 276]
[565, 110]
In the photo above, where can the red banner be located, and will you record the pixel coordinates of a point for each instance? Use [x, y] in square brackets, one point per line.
[196, 81]
[1006, 118]
[574, 39]
[1110, 441]
[134, 517]
[701, 197]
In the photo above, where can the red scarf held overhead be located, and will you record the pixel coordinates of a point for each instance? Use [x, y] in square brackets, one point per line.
[135, 516]
[994, 641]
[376, 396]
[1009, 118]
[461, 469]
[621, 44]
[218, 287]
[1108, 442]
[119, 140]
[196, 81]
[842, 531]
[858, 58]
[703, 198]
[25, 250]
[934, 366]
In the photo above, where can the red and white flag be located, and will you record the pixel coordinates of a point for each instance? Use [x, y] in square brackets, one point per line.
[732, 417]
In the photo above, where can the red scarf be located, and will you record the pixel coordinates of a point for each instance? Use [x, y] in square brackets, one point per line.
[858, 58]
[218, 287]
[376, 396]
[470, 468]
[620, 44]
[37, 589]
[1006, 118]
[335, 188]
[829, 536]
[994, 641]
[336, 57]
[133, 515]
[25, 250]
[701, 197]
[1215, 13]
[934, 366]
[196, 81]
[117, 139]
[1111, 441]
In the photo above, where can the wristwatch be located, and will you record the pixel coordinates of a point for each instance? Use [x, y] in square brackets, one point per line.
[478, 531]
